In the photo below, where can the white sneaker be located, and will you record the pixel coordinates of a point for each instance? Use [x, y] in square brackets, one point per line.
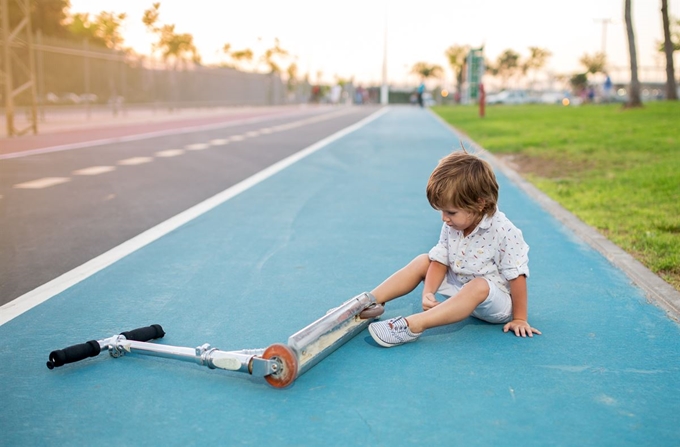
[393, 332]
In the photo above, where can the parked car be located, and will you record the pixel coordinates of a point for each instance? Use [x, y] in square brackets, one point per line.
[69, 98]
[554, 97]
[508, 97]
[90, 98]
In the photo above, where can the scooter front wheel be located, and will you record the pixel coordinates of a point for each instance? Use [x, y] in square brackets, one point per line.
[287, 368]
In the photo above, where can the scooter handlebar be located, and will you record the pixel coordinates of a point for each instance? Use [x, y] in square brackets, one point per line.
[145, 333]
[73, 353]
[92, 348]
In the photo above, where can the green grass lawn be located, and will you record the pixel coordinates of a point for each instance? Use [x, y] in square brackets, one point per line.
[617, 170]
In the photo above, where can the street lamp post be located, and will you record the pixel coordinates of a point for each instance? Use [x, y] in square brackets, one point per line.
[384, 89]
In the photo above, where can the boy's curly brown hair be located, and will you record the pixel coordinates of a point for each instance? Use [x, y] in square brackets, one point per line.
[463, 181]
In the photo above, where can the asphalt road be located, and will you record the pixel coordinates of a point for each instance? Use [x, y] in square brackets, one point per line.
[63, 204]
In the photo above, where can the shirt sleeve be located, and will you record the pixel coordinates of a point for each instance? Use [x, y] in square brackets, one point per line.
[514, 254]
[440, 252]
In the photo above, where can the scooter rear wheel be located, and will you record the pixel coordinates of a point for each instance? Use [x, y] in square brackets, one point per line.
[287, 365]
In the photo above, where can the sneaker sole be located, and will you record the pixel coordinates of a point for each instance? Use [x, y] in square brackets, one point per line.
[379, 341]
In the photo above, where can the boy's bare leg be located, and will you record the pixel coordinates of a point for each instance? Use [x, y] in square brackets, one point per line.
[403, 281]
[454, 309]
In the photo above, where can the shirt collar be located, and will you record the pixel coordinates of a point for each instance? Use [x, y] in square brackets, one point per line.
[485, 223]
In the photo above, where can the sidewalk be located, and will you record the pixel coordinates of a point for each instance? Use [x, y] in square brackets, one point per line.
[56, 120]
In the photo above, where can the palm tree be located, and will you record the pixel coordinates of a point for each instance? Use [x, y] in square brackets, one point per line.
[671, 88]
[594, 64]
[456, 55]
[506, 66]
[426, 70]
[536, 60]
[634, 90]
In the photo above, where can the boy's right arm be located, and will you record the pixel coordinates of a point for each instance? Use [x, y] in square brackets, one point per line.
[434, 277]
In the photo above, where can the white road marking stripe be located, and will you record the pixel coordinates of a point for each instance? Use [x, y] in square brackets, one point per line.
[266, 130]
[197, 146]
[94, 170]
[43, 293]
[170, 153]
[218, 142]
[237, 138]
[135, 161]
[253, 133]
[42, 183]
[67, 147]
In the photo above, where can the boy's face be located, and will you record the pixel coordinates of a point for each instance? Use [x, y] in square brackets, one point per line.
[461, 220]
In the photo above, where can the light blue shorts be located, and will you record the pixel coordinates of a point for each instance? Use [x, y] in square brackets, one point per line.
[496, 308]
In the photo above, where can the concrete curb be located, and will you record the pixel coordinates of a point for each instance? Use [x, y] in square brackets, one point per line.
[658, 291]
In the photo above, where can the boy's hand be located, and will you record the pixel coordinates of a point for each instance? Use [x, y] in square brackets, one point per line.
[429, 301]
[521, 328]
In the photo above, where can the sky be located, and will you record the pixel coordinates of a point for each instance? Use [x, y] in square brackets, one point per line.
[347, 39]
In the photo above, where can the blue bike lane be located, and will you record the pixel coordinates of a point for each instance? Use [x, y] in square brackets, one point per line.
[255, 268]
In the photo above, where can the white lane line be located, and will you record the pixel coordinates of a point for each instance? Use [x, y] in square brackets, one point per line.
[283, 127]
[169, 153]
[252, 133]
[135, 161]
[218, 142]
[42, 183]
[237, 138]
[43, 293]
[196, 146]
[266, 130]
[94, 170]
[144, 136]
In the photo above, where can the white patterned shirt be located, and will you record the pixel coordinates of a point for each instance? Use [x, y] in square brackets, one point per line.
[495, 249]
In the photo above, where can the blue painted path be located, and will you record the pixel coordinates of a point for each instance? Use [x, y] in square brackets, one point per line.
[257, 268]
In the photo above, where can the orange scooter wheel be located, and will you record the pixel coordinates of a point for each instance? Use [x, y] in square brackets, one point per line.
[287, 365]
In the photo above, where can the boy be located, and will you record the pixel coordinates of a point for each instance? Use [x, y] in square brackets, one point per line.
[480, 261]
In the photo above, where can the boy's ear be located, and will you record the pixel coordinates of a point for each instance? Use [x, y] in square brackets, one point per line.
[482, 204]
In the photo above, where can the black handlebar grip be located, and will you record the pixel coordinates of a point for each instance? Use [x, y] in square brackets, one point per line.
[73, 353]
[144, 333]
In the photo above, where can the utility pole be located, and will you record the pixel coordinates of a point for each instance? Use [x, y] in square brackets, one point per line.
[604, 22]
[17, 65]
[384, 89]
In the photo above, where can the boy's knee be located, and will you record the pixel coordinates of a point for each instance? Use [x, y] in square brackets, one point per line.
[480, 288]
[420, 264]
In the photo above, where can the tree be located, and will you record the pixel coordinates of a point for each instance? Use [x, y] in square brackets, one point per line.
[47, 16]
[107, 28]
[536, 60]
[668, 48]
[292, 72]
[273, 57]
[579, 82]
[594, 64]
[634, 90]
[241, 56]
[506, 66]
[426, 70]
[456, 55]
[237, 57]
[82, 27]
[174, 47]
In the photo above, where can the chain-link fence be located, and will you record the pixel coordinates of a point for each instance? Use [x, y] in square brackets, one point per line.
[69, 74]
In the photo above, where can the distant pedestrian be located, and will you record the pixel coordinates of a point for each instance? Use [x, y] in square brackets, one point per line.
[480, 263]
[607, 88]
[421, 92]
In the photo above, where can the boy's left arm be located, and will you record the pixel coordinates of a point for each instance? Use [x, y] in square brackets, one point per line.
[519, 324]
